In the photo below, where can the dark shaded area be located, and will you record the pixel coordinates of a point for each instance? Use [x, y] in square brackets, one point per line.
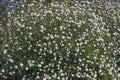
[3, 14]
[117, 57]
[48, 2]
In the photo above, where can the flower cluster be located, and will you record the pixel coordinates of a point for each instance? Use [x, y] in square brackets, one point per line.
[65, 41]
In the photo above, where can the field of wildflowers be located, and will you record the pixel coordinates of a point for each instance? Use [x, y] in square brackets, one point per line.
[70, 40]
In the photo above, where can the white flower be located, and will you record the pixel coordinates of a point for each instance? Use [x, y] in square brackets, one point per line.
[21, 64]
[38, 77]
[48, 12]
[118, 76]
[30, 33]
[51, 36]
[63, 37]
[39, 65]
[11, 60]
[16, 67]
[3, 70]
[30, 28]
[26, 68]
[58, 78]
[5, 51]
[6, 45]
[44, 78]
[42, 62]
[61, 27]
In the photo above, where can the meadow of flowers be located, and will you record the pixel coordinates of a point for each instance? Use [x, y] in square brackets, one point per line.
[70, 40]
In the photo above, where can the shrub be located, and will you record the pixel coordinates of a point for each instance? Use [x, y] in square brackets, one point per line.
[75, 41]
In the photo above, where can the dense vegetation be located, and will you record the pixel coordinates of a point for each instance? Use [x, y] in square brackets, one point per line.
[69, 40]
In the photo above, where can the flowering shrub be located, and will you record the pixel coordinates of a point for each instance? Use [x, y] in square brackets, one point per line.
[64, 41]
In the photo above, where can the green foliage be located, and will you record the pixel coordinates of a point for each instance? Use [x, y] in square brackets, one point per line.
[61, 41]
